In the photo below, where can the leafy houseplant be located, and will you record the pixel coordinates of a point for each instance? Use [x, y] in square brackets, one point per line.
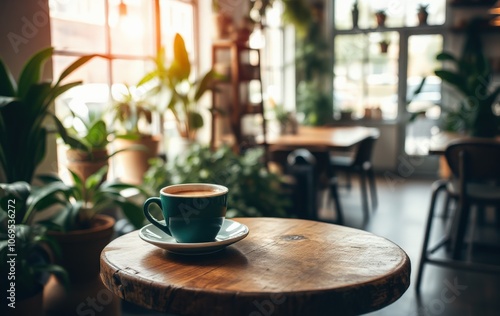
[24, 106]
[87, 138]
[185, 93]
[30, 245]
[471, 78]
[253, 190]
[312, 63]
[83, 200]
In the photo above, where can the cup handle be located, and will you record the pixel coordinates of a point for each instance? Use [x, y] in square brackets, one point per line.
[153, 220]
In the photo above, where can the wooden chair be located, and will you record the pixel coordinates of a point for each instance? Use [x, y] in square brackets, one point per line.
[475, 165]
[361, 164]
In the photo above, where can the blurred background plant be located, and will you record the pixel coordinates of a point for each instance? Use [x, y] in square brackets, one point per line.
[253, 190]
[33, 249]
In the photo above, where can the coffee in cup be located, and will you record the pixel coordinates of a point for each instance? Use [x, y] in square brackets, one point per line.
[193, 212]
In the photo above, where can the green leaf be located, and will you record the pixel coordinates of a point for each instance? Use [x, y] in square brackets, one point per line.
[445, 56]
[133, 212]
[94, 180]
[7, 82]
[181, 66]
[205, 84]
[75, 65]
[454, 79]
[32, 71]
[195, 120]
[97, 135]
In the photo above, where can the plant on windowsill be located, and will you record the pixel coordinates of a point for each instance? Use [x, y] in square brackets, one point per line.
[384, 46]
[355, 14]
[24, 107]
[380, 17]
[422, 14]
[28, 246]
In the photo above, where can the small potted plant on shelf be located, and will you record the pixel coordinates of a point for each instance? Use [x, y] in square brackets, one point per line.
[384, 46]
[422, 14]
[355, 15]
[380, 17]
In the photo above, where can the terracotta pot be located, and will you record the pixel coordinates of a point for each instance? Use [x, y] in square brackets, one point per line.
[80, 253]
[80, 249]
[130, 165]
[85, 164]
[422, 18]
[384, 47]
[380, 19]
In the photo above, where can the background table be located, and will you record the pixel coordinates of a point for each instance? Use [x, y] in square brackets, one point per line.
[321, 137]
[283, 267]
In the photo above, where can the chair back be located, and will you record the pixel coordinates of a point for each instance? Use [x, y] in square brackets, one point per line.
[476, 159]
[365, 149]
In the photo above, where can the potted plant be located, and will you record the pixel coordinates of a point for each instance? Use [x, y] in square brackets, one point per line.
[470, 75]
[384, 46]
[25, 251]
[87, 140]
[355, 15]
[222, 20]
[380, 17]
[422, 14]
[184, 93]
[133, 120]
[82, 230]
[24, 107]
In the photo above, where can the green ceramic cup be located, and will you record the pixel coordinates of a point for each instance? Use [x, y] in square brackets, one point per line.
[193, 212]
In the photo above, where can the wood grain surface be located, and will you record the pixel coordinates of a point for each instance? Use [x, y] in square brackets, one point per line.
[283, 267]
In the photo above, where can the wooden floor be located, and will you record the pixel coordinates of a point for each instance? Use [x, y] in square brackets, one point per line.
[400, 217]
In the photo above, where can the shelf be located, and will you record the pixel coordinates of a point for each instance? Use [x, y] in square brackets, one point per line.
[413, 29]
[484, 29]
[472, 4]
[252, 109]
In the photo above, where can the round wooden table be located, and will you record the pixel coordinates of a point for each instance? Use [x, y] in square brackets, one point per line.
[283, 267]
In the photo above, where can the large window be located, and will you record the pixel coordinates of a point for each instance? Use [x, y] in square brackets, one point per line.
[128, 33]
[377, 68]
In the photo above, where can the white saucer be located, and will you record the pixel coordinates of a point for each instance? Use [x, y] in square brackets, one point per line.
[230, 233]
